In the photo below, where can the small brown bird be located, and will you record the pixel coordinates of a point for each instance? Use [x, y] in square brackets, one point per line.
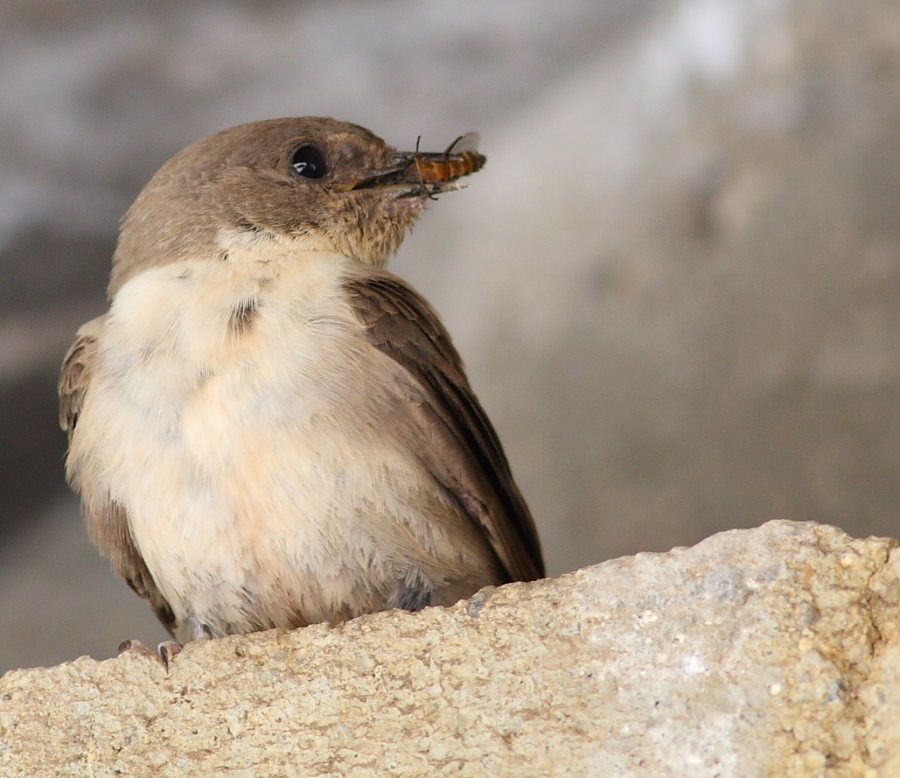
[266, 428]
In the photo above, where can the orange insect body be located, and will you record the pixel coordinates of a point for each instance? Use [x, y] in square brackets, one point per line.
[449, 166]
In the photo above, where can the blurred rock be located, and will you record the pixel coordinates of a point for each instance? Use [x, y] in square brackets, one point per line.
[771, 651]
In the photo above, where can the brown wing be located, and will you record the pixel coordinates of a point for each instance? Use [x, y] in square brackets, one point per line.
[457, 443]
[76, 374]
[108, 523]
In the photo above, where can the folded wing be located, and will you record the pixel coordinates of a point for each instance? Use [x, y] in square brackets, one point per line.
[454, 438]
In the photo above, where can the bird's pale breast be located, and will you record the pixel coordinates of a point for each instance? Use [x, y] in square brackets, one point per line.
[234, 415]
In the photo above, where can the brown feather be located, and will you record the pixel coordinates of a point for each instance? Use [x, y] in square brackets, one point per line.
[456, 441]
[109, 531]
[75, 375]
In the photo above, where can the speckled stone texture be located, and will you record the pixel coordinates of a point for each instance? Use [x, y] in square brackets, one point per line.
[772, 651]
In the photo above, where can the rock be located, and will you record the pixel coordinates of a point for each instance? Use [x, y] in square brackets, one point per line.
[772, 651]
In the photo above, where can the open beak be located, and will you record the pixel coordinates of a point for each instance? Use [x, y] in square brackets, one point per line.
[421, 173]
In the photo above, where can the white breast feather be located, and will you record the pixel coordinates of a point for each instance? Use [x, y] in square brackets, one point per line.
[232, 454]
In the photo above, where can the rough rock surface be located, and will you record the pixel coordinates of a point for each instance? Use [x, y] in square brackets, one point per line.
[773, 651]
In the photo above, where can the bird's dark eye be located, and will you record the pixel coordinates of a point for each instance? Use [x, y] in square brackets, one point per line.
[309, 162]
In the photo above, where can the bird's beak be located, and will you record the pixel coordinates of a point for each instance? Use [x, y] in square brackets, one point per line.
[419, 172]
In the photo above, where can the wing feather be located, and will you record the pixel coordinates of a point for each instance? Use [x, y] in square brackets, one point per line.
[457, 442]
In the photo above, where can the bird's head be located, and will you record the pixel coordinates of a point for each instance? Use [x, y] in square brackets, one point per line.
[308, 183]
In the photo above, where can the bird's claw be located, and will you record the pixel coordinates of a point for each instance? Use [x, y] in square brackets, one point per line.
[165, 651]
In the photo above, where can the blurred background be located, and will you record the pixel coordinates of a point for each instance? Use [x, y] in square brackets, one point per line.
[676, 283]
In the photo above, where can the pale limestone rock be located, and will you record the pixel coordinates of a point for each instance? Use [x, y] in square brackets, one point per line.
[773, 651]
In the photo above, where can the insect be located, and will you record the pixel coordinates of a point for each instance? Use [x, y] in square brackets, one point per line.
[457, 160]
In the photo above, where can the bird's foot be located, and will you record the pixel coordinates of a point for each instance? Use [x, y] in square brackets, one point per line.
[165, 651]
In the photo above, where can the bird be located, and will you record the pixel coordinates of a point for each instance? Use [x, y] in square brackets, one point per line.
[267, 428]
